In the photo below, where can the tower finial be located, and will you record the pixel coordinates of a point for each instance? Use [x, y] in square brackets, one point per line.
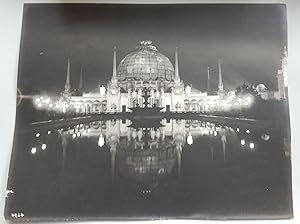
[68, 84]
[220, 85]
[220, 76]
[177, 78]
[208, 80]
[114, 76]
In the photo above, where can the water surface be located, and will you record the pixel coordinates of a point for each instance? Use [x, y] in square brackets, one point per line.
[157, 169]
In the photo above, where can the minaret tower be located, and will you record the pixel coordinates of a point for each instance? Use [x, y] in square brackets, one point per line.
[220, 85]
[177, 101]
[67, 91]
[114, 76]
[177, 78]
[208, 80]
[282, 76]
[113, 90]
[178, 87]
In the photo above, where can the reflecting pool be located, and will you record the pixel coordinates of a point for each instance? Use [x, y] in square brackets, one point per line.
[149, 169]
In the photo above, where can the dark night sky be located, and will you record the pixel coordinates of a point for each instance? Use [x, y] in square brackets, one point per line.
[248, 38]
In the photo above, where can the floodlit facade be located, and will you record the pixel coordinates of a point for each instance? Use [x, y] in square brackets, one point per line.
[145, 67]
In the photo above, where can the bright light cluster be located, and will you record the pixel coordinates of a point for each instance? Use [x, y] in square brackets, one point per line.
[245, 101]
[229, 102]
[43, 102]
[49, 104]
[39, 146]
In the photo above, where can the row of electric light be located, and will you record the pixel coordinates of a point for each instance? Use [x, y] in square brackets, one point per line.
[47, 103]
[64, 106]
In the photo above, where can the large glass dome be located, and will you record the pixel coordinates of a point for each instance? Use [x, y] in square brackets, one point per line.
[145, 64]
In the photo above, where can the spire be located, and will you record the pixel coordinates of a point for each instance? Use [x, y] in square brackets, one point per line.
[177, 78]
[81, 79]
[114, 77]
[220, 86]
[208, 80]
[67, 84]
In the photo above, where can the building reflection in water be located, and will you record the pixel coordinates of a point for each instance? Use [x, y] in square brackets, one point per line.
[146, 155]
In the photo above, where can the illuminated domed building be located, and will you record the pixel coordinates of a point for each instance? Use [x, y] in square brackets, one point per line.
[145, 67]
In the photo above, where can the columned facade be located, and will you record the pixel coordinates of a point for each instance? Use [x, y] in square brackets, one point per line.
[145, 67]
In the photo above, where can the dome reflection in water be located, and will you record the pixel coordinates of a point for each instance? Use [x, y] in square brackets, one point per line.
[170, 166]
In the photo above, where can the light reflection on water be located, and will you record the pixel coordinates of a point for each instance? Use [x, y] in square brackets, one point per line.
[125, 168]
[123, 135]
